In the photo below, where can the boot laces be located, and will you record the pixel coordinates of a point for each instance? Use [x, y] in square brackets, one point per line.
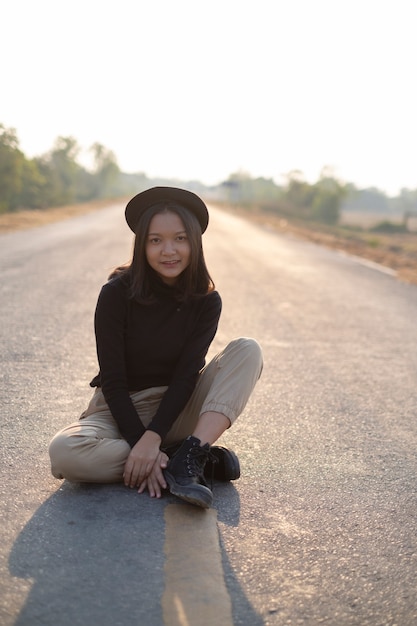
[196, 459]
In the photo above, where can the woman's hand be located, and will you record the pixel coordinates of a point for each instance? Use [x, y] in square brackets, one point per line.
[141, 459]
[155, 481]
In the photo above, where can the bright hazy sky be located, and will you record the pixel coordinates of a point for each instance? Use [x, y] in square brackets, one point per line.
[193, 89]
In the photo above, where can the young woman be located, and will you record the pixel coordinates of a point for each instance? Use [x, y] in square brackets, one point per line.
[157, 408]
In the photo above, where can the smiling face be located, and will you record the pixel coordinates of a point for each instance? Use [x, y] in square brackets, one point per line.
[167, 247]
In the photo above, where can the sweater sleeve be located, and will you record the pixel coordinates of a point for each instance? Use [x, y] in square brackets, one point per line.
[192, 360]
[110, 323]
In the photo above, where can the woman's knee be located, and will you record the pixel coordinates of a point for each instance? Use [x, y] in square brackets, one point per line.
[59, 451]
[84, 457]
[58, 445]
[63, 455]
[248, 350]
[67, 451]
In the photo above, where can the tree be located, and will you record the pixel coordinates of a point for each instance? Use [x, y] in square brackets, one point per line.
[55, 178]
[328, 195]
[320, 201]
[244, 189]
[32, 195]
[106, 170]
[61, 171]
[11, 164]
[299, 194]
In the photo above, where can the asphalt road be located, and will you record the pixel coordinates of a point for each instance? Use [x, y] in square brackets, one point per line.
[321, 527]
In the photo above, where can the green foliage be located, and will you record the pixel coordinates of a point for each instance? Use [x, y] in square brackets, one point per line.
[34, 183]
[373, 200]
[327, 198]
[55, 178]
[11, 165]
[300, 196]
[389, 227]
[316, 202]
[106, 170]
[241, 188]
[60, 171]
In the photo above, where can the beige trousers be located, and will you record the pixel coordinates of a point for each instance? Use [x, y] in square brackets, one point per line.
[93, 450]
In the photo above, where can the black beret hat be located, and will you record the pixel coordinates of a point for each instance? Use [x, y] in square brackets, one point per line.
[142, 201]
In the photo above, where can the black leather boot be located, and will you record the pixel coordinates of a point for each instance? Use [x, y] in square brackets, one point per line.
[223, 464]
[185, 473]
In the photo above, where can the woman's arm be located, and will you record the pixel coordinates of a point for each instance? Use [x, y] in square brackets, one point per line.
[192, 360]
[110, 323]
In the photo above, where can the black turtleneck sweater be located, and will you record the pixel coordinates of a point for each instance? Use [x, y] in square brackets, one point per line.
[141, 346]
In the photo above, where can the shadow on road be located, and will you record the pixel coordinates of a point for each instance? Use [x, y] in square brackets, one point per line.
[227, 502]
[95, 554]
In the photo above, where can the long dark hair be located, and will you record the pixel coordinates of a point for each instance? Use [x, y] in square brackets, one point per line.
[194, 281]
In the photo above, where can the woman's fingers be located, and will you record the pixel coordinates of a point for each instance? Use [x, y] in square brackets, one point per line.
[141, 459]
[159, 475]
[163, 459]
[136, 472]
[143, 486]
[144, 474]
[152, 485]
[155, 482]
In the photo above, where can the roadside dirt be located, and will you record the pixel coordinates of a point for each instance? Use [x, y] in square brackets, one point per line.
[397, 251]
[39, 217]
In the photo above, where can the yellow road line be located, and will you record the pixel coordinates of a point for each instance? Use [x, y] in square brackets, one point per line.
[195, 591]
